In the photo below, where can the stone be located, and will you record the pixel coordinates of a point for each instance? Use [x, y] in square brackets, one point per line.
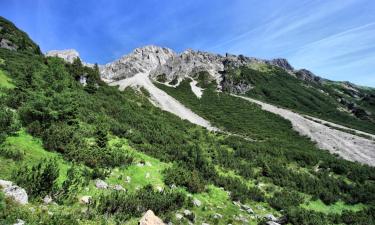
[196, 202]
[250, 211]
[270, 217]
[128, 179]
[179, 216]
[18, 194]
[271, 223]
[100, 184]
[47, 199]
[187, 212]
[5, 183]
[148, 164]
[19, 222]
[149, 218]
[85, 199]
[68, 55]
[205, 224]
[118, 187]
[5, 43]
[217, 216]
[159, 189]
[148, 175]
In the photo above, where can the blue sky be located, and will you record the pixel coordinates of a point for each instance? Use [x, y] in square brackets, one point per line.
[333, 38]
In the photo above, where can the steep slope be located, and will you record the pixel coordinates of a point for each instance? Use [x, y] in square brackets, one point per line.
[12, 38]
[162, 99]
[349, 146]
[75, 148]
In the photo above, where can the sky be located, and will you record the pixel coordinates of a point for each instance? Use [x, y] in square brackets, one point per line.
[333, 38]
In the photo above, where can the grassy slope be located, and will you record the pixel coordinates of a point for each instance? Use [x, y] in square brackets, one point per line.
[5, 81]
[33, 153]
[275, 86]
[337, 208]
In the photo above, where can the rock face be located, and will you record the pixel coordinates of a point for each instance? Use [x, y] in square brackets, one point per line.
[307, 75]
[158, 61]
[149, 218]
[282, 63]
[13, 191]
[141, 60]
[68, 55]
[5, 43]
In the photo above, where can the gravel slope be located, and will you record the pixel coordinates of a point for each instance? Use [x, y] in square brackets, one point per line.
[348, 146]
[162, 99]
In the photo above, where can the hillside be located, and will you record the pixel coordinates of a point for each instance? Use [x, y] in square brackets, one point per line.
[161, 131]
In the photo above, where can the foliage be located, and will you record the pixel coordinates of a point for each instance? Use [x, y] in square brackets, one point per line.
[38, 180]
[126, 205]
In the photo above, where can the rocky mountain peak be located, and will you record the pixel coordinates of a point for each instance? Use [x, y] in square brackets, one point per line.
[68, 54]
[282, 63]
[141, 60]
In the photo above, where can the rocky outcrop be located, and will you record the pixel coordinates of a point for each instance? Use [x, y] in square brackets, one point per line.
[282, 63]
[68, 54]
[5, 43]
[141, 60]
[101, 184]
[190, 63]
[164, 63]
[13, 191]
[308, 76]
[149, 218]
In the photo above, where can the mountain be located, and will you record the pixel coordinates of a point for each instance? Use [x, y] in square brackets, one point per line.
[162, 137]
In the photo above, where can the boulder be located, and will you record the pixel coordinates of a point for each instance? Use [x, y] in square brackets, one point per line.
[5, 183]
[128, 179]
[217, 216]
[196, 202]
[47, 199]
[118, 187]
[270, 217]
[272, 223]
[100, 184]
[179, 216]
[85, 199]
[149, 218]
[187, 212]
[18, 194]
[19, 222]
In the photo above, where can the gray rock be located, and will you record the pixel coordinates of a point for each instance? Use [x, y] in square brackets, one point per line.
[5, 43]
[196, 202]
[85, 199]
[217, 216]
[307, 75]
[5, 183]
[19, 222]
[272, 223]
[68, 54]
[187, 212]
[47, 199]
[282, 63]
[118, 187]
[270, 217]
[15, 192]
[179, 216]
[149, 218]
[100, 184]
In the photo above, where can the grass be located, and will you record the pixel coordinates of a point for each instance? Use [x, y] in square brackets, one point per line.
[5, 81]
[336, 208]
[33, 152]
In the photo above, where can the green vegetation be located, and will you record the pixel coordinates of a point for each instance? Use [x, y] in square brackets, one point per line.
[5, 82]
[278, 87]
[59, 137]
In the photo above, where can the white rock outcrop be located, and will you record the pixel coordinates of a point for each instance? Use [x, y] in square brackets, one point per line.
[149, 218]
[15, 192]
[68, 54]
